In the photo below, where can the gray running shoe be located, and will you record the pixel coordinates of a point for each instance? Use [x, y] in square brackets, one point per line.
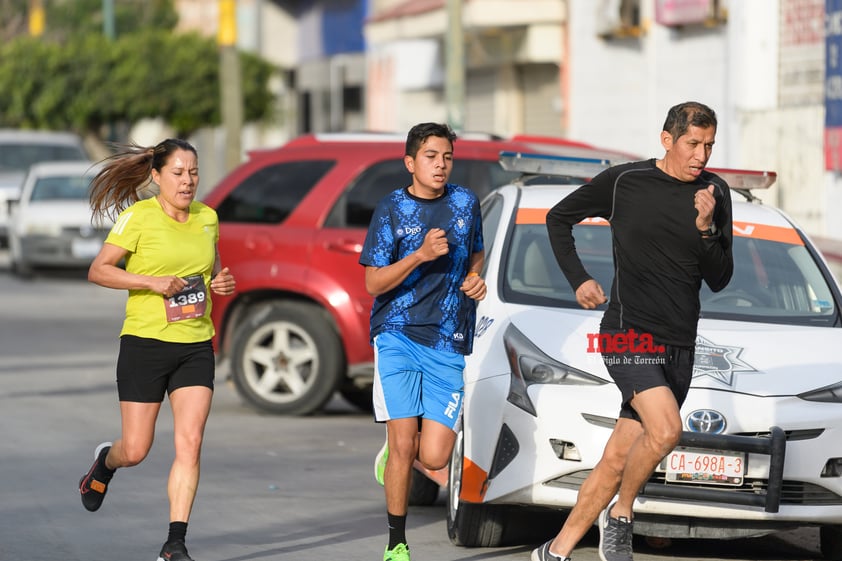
[615, 537]
[543, 554]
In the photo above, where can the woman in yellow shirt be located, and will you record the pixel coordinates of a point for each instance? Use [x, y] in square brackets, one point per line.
[169, 244]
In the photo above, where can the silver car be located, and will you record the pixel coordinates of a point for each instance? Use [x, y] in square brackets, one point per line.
[51, 225]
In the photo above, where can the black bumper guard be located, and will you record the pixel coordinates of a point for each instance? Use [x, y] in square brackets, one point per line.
[773, 445]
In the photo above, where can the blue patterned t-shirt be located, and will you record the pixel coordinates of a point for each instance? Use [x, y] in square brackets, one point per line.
[427, 306]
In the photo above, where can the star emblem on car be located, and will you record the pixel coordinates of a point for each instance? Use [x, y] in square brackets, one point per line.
[720, 362]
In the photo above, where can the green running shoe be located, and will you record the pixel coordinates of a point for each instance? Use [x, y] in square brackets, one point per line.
[380, 464]
[399, 553]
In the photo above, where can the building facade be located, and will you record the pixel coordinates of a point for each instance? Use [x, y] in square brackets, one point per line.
[510, 64]
[600, 71]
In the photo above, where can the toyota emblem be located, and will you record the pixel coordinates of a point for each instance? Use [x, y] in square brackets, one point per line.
[707, 421]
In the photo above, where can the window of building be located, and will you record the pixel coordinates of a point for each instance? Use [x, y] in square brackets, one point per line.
[619, 18]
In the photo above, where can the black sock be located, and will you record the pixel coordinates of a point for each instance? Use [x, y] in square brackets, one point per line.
[101, 472]
[178, 530]
[397, 529]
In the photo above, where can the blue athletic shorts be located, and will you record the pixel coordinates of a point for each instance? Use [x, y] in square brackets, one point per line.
[411, 380]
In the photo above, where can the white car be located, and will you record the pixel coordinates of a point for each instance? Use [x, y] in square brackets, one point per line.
[51, 224]
[762, 447]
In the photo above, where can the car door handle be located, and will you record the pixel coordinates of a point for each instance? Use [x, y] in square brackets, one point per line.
[346, 246]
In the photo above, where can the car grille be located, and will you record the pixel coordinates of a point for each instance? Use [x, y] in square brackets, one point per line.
[791, 435]
[792, 492]
[84, 232]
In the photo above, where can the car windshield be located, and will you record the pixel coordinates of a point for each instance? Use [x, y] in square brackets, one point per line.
[773, 281]
[72, 188]
[19, 157]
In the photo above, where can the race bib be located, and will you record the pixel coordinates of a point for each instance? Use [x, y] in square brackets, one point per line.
[190, 303]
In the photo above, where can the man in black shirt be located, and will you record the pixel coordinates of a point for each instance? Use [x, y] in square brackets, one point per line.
[671, 228]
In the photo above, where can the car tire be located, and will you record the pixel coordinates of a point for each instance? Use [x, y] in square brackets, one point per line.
[22, 270]
[830, 541]
[470, 524]
[287, 358]
[423, 491]
[358, 397]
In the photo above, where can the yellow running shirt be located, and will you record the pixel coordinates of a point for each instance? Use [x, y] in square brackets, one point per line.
[157, 245]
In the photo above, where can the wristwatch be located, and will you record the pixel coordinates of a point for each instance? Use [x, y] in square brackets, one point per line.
[711, 231]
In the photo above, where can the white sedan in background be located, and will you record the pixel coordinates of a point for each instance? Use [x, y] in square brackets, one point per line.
[51, 224]
[20, 149]
[762, 447]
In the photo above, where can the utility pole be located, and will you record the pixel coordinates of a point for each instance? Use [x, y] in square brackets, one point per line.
[109, 29]
[230, 80]
[36, 18]
[454, 87]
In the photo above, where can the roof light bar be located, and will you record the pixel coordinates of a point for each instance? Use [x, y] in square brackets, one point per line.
[746, 179]
[545, 164]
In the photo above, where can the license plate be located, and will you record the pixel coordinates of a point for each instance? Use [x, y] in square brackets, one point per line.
[85, 249]
[712, 467]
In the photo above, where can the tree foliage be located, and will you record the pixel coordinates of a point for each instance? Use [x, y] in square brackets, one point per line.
[65, 18]
[85, 17]
[83, 80]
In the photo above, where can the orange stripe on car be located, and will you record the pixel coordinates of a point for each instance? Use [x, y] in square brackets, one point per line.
[531, 215]
[766, 232]
[539, 216]
[743, 229]
[474, 482]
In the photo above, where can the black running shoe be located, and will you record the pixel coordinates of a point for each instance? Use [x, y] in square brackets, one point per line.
[174, 551]
[94, 484]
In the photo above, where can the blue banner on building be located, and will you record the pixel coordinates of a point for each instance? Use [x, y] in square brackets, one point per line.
[331, 27]
[833, 86]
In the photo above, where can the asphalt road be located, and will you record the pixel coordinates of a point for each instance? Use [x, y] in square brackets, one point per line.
[272, 488]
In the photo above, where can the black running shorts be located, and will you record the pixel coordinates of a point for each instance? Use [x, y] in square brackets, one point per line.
[147, 368]
[636, 369]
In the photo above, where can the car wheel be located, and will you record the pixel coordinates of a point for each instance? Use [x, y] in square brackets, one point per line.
[423, 491]
[21, 269]
[830, 540]
[358, 397]
[470, 524]
[287, 358]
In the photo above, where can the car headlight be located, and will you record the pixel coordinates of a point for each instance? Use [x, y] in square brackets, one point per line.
[529, 365]
[827, 394]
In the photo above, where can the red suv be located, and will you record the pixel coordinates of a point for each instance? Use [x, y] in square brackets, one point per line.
[292, 223]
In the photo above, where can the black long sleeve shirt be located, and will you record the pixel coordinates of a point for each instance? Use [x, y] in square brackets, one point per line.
[660, 258]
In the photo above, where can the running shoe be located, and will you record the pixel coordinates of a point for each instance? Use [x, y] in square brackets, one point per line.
[615, 537]
[399, 553]
[380, 463]
[174, 551]
[543, 554]
[94, 484]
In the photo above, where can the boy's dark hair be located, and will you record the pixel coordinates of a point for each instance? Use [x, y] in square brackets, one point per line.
[684, 115]
[422, 131]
